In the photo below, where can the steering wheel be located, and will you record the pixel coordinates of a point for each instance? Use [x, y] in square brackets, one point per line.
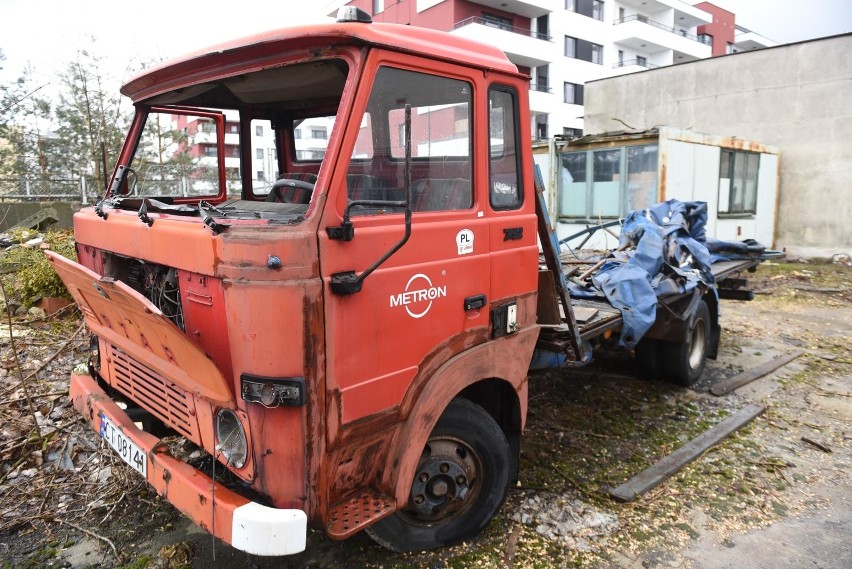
[287, 190]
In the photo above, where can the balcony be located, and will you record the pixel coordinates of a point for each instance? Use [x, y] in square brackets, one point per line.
[747, 40]
[525, 8]
[684, 14]
[522, 47]
[632, 66]
[542, 98]
[646, 35]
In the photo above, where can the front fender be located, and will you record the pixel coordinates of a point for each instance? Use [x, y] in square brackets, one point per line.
[506, 358]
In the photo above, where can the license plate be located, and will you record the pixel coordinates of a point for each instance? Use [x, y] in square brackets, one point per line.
[126, 449]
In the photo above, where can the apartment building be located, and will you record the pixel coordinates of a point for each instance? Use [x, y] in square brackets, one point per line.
[197, 140]
[562, 44]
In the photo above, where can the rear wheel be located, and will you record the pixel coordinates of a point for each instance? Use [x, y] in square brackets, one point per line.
[683, 362]
[460, 483]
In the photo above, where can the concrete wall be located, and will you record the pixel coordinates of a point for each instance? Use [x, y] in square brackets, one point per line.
[797, 97]
[13, 212]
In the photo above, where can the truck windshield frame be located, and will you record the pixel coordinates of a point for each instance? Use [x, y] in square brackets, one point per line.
[230, 141]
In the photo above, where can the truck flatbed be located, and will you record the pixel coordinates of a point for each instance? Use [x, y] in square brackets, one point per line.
[595, 317]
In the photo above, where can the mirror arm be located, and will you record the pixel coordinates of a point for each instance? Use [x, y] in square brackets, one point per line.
[348, 282]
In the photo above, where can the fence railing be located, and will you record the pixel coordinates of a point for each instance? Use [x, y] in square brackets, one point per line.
[639, 62]
[84, 190]
[502, 26]
[650, 22]
[40, 189]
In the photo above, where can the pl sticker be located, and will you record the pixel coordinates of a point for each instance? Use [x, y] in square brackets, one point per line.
[464, 239]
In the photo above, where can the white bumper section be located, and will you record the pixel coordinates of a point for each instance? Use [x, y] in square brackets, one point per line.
[260, 530]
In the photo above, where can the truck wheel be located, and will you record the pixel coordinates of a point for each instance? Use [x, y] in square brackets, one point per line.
[647, 355]
[459, 485]
[683, 362]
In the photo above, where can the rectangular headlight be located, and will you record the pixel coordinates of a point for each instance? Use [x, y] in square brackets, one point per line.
[272, 391]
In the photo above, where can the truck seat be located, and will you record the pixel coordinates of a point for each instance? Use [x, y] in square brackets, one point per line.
[364, 187]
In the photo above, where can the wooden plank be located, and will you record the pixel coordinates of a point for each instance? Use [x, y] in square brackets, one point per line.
[746, 377]
[583, 314]
[668, 466]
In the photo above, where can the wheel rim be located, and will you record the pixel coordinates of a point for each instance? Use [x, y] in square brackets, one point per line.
[446, 482]
[697, 344]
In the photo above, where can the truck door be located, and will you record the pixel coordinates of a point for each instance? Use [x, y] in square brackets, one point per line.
[430, 297]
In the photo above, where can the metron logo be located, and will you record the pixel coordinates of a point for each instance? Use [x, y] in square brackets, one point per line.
[418, 296]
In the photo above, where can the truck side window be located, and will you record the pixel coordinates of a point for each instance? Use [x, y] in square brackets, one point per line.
[441, 110]
[504, 182]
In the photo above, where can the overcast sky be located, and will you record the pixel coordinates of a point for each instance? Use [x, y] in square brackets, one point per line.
[48, 33]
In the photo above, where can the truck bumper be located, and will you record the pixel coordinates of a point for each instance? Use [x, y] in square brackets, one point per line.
[245, 525]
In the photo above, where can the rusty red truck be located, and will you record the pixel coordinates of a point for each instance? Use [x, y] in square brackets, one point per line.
[345, 327]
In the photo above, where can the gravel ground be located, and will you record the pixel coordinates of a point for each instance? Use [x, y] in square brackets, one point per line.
[764, 497]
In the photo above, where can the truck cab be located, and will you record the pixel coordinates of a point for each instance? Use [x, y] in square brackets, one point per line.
[317, 260]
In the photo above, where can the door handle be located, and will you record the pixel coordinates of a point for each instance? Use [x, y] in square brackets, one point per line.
[473, 302]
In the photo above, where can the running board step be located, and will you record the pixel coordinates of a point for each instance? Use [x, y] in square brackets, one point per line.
[357, 512]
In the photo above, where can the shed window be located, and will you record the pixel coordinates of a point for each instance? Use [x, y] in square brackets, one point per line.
[607, 183]
[738, 181]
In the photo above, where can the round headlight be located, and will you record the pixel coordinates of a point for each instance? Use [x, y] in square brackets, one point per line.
[231, 437]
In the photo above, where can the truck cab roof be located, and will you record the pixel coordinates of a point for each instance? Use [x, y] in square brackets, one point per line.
[231, 57]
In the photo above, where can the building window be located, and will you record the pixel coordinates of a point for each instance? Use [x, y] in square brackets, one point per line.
[260, 176]
[583, 49]
[738, 181]
[729, 48]
[570, 46]
[208, 126]
[233, 128]
[573, 94]
[597, 54]
[319, 133]
[706, 39]
[378, 6]
[210, 151]
[542, 27]
[496, 21]
[505, 188]
[542, 82]
[641, 61]
[568, 132]
[258, 153]
[590, 8]
[597, 9]
[297, 134]
[607, 182]
[541, 127]
[258, 130]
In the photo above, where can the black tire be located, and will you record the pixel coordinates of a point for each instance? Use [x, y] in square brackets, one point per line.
[683, 362]
[647, 355]
[467, 453]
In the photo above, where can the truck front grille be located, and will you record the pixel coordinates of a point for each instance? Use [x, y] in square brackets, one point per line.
[166, 401]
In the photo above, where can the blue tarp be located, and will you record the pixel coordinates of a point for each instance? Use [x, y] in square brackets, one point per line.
[670, 257]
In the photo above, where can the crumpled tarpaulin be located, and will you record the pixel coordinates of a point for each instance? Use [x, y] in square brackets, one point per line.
[670, 257]
[735, 250]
